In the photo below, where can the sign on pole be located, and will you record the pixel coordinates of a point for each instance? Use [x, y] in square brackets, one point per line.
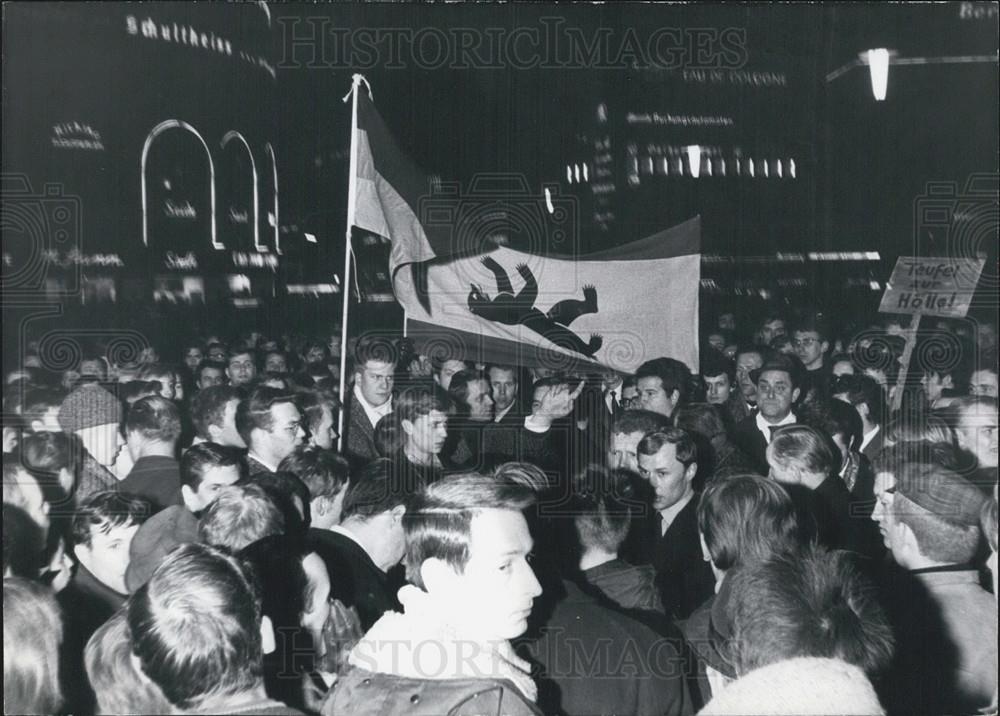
[935, 286]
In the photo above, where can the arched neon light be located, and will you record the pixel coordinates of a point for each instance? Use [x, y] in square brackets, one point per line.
[274, 169]
[157, 131]
[232, 134]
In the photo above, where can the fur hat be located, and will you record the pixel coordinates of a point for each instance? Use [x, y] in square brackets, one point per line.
[89, 406]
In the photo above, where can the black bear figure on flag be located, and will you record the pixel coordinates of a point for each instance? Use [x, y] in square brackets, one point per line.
[511, 310]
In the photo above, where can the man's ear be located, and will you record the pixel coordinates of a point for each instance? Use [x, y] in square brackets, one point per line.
[82, 553]
[824, 346]
[795, 395]
[397, 512]
[407, 426]
[690, 471]
[187, 495]
[214, 431]
[675, 397]
[863, 410]
[947, 382]
[437, 575]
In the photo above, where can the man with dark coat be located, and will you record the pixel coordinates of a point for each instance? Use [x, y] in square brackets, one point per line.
[368, 402]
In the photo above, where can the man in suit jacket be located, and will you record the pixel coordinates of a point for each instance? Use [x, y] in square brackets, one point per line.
[500, 436]
[868, 400]
[667, 462]
[368, 402]
[360, 552]
[777, 384]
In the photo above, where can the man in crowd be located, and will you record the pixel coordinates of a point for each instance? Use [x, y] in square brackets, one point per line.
[976, 432]
[240, 515]
[152, 428]
[422, 412]
[161, 373]
[776, 386]
[626, 432]
[471, 590]
[470, 395]
[771, 327]
[213, 412]
[504, 387]
[719, 375]
[946, 623]
[326, 475]
[445, 369]
[367, 543]
[205, 469]
[210, 373]
[369, 401]
[667, 462]
[241, 367]
[748, 360]
[94, 415]
[868, 399]
[203, 646]
[271, 426]
[319, 410]
[22, 490]
[102, 531]
[663, 384]
[983, 382]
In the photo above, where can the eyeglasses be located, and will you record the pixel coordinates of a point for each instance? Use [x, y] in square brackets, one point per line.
[804, 342]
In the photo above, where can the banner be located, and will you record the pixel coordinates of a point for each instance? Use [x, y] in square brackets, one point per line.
[936, 286]
[616, 308]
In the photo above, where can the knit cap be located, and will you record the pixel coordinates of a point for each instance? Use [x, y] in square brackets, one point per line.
[941, 492]
[89, 406]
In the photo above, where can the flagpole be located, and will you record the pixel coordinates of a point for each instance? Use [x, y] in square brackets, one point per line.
[346, 283]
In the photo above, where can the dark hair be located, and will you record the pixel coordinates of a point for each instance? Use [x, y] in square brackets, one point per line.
[673, 375]
[419, 400]
[389, 435]
[240, 515]
[284, 488]
[44, 455]
[781, 362]
[639, 421]
[458, 389]
[833, 417]
[379, 487]
[200, 458]
[439, 520]
[208, 407]
[815, 324]
[714, 363]
[687, 451]
[323, 472]
[196, 626]
[208, 363]
[809, 604]
[135, 390]
[312, 403]
[957, 361]
[105, 511]
[746, 519]
[374, 349]
[702, 419]
[254, 412]
[602, 509]
[862, 389]
[155, 418]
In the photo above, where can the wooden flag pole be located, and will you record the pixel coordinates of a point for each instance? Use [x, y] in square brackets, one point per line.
[904, 367]
[346, 283]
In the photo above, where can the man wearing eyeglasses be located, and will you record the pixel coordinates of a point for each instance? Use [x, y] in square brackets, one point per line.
[777, 384]
[811, 340]
[271, 426]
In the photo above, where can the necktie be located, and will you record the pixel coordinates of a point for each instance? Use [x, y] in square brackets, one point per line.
[615, 406]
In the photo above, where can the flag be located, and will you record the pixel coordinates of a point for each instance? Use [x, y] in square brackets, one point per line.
[616, 308]
[388, 191]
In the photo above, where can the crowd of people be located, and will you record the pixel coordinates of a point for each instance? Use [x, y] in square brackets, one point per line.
[787, 528]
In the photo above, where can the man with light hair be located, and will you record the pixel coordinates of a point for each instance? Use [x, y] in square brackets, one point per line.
[472, 589]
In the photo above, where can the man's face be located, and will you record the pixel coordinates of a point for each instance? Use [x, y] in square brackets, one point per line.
[214, 479]
[286, 431]
[630, 396]
[493, 596]
[229, 435]
[653, 397]
[275, 363]
[977, 433]
[745, 363]
[480, 402]
[315, 355]
[504, 386]
[623, 446]
[888, 526]
[325, 433]
[107, 556]
[727, 322]
[448, 370]
[983, 382]
[718, 388]
[103, 442]
[669, 478]
[771, 330]
[168, 383]
[95, 368]
[193, 357]
[810, 347]
[241, 369]
[210, 377]
[717, 341]
[333, 345]
[375, 380]
[934, 385]
[775, 395]
[427, 433]
[218, 354]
